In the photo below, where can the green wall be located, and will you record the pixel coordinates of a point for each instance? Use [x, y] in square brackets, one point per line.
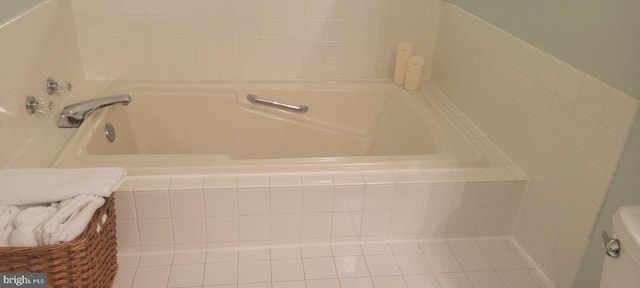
[9, 9]
[625, 190]
[600, 37]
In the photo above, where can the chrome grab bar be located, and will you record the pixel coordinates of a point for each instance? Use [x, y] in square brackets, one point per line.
[255, 99]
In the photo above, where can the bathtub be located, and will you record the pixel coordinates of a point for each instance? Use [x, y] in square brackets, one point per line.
[199, 127]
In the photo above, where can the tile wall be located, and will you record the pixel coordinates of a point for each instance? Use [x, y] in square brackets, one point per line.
[37, 44]
[256, 39]
[195, 213]
[565, 128]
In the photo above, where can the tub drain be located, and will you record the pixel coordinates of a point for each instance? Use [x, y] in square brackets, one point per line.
[110, 132]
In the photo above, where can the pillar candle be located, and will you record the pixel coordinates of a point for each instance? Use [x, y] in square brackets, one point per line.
[402, 57]
[414, 73]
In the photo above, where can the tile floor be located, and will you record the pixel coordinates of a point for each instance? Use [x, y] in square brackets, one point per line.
[456, 263]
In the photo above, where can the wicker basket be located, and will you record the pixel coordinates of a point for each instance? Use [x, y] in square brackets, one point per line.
[87, 261]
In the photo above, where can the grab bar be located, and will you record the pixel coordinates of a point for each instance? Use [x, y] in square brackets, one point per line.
[254, 99]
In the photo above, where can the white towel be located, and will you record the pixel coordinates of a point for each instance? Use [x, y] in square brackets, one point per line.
[35, 186]
[26, 223]
[7, 214]
[70, 220]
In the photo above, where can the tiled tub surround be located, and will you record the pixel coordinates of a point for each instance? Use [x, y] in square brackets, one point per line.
[37, 44]
[565, 128]
[166, 214]
[251, 39]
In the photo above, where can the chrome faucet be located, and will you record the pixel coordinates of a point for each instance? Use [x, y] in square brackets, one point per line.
[73, 115]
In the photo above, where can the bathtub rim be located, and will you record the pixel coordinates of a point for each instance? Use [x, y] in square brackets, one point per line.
[441, 160]
[285, 165]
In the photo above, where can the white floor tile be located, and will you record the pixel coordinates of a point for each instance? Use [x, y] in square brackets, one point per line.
[254, 271]
[485, 279]
[255, 285]
[154, 276]
[443, 262]
[351, 266]
[524, 259]
[542, 281]
[220, 273]
[473, 260]
[287, 270]
[186, 275]
[415, 263]
[319, 268]
[362, 282]
[125, 261]
[504, 259]
[323, 283]
[289, 284]
[517, 279]
[422, 281]
[454, 280]
[389, 282]
[382, 265]
[124, 277]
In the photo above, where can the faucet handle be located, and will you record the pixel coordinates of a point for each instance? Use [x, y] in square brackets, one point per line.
[41, 105]
[54, 86]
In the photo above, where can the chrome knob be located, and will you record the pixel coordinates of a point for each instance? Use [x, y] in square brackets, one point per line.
[41, 105]
[611, 246]
[54, 86]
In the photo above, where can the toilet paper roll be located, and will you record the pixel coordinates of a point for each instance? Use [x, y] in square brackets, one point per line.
[414, 73]
[402, 58]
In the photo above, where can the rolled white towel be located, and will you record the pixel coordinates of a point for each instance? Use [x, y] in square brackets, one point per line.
[70, 220]
[36, 186]
[33, 217]
[66, 210]
[79, 222]
[26, 223]
[7, 214]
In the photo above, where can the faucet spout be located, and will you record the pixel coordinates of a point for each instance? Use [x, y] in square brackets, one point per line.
[73, 115]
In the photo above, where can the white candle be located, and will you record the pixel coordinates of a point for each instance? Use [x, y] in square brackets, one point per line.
[402, 57]
[414, 73]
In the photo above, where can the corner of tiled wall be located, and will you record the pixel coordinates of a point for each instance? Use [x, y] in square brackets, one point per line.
[565, 128]
[251, 39]
[38, 44]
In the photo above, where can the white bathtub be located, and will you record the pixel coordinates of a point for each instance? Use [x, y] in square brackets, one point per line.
[199, 127]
